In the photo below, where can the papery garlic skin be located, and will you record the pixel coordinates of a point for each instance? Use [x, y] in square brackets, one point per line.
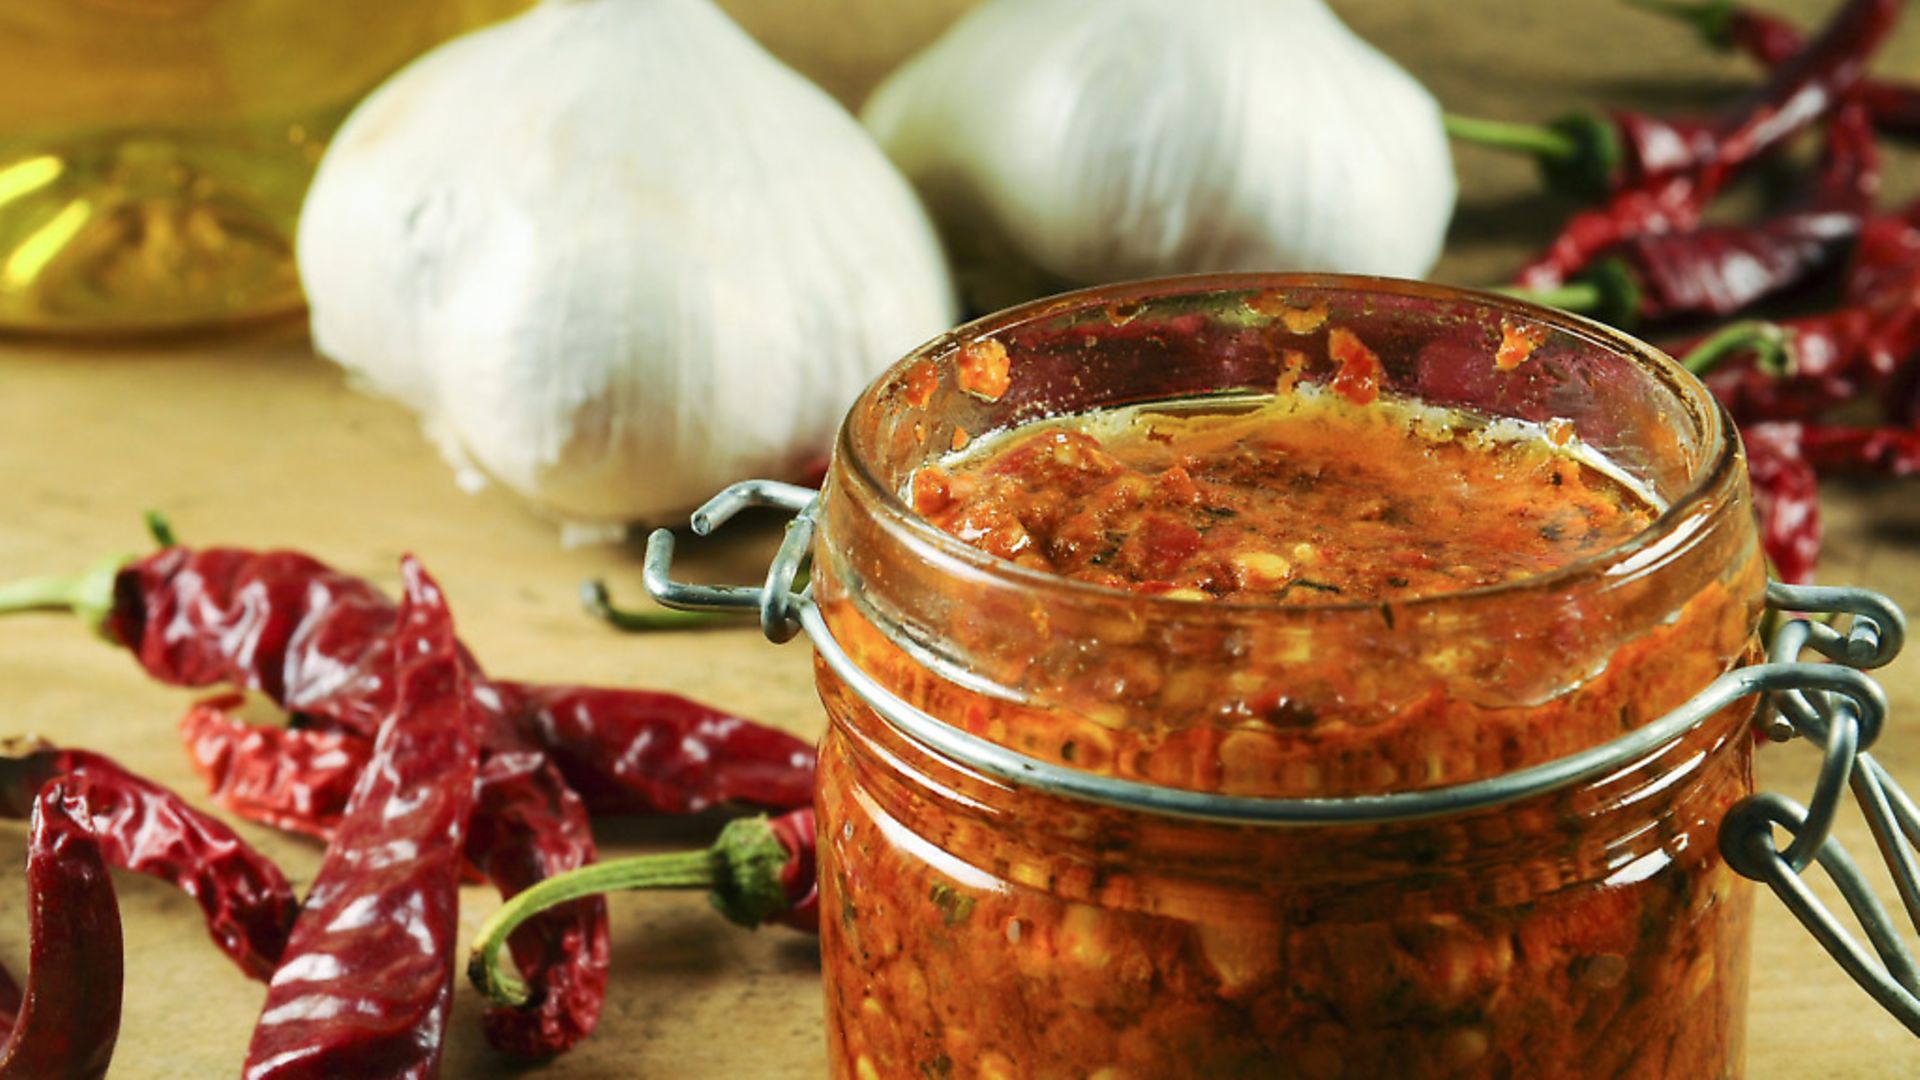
[1137, 138]
[616, 256]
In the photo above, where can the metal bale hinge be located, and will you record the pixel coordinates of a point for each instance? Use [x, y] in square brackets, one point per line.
[1830, 701]
[1747, 840]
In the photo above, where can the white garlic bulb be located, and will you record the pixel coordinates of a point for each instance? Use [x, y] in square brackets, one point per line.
[1133, 138]
[616, 256]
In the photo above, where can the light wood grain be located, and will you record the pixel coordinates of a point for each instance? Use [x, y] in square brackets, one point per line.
[251, 440]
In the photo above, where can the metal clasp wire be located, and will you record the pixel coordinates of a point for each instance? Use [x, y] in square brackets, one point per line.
[775, 599]
[1832, 702]
[1747, 837]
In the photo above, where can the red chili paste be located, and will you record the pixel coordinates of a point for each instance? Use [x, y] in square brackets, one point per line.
[1307, 499]
[974, 929]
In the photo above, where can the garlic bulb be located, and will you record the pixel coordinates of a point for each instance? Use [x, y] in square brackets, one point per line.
[1132, 138]
[616, 256]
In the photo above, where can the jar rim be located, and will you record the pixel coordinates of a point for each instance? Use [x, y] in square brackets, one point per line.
[1673, 521]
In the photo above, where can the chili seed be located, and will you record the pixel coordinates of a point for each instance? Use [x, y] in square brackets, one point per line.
[995, 1066]
[1699, 977]
[1464, 1046]
[1083, 937]
[1242, 955]
[1604, 972]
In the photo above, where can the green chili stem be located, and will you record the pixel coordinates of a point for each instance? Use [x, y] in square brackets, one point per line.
[1712, 19]
[1768, 341]
[50, 592]
[677, 870]
[599, 603]
[161, 529]
[1536, 139]
[1578, 296]
[741, 871]
[88, 594]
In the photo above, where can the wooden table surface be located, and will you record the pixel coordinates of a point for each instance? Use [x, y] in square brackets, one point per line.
[251, 440]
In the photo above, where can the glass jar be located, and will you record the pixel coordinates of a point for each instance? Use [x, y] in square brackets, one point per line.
[975, 926]
[154, 153]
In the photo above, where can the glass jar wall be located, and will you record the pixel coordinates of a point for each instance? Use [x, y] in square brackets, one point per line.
[973, 927]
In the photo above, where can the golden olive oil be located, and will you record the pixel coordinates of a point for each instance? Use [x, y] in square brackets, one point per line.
[154, 153]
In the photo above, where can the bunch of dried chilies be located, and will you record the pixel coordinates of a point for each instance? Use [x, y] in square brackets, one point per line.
[1645, 259]
[396, 740]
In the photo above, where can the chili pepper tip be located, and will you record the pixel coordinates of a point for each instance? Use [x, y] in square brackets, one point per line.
[88, 594]
[741, 870]
[599, 603]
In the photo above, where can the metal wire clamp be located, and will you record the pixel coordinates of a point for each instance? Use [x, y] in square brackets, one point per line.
[1831, 701]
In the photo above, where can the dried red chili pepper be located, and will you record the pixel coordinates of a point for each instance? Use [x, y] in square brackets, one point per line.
[528, 826]
[1894, 451]
[1884, 278]
[1772, 40]
[624, 751]
[1591, 154]
[9, 1002]
[757, 871]
[142, 827]
[367, 980]
[1818, 366]
[307, 636]
[1722, 269]
[297, 779]
[312, 639]
[799, 876]
[1597, 154]
[1668, 204]
[69, 1014]
[1894, 106]
[648, 752]
[1804, 87]
[1786, 498]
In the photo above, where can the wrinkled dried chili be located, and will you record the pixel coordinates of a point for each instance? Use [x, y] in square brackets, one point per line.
[1821, 368]
[645, 752]
[529, 826]
[526, 824]
[1786, 496]
[1772, 40]
[1872, 344]
[1598, 154]
[1887, 450]
[68, 1016]
[297, 779]
[757, 871]
[1722, 269]
[367, 979]
[312, 638]
[1668, 204]
[140, 826]
[624, 751]
[1592, 154]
